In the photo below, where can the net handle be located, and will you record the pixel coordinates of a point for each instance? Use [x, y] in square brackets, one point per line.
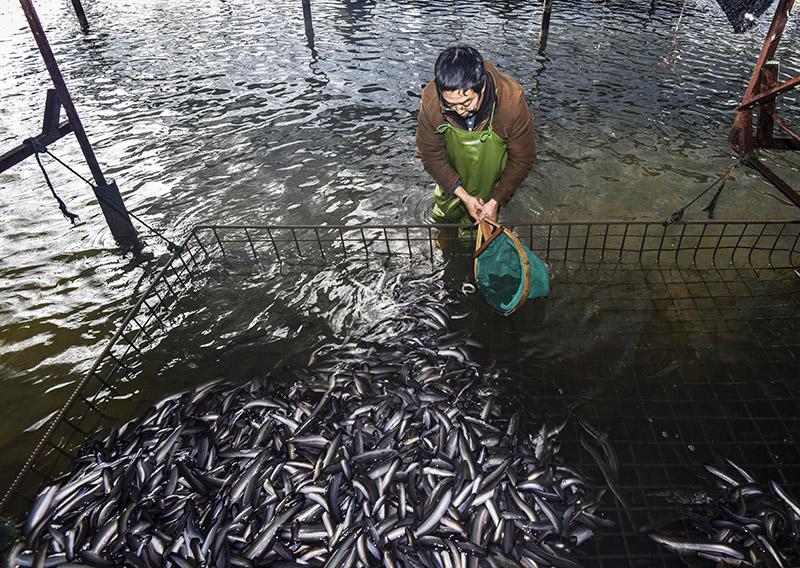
[526, 269]
[488, 231]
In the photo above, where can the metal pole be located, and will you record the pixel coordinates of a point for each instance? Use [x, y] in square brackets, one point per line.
[61, 89]
[76, 4]
[544, 31]
[765, 124]
[308, 23]
[116, 215]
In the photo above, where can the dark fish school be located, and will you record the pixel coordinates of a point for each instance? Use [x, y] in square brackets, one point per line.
[375, 456]
[380, 453]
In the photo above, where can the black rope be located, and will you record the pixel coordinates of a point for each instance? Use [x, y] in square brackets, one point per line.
[38, 148]
[41, 149]
[171, 246]
[712, 205]
[721, 180]
[49, 153]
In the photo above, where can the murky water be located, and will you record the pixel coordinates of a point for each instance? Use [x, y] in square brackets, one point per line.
[230, 111]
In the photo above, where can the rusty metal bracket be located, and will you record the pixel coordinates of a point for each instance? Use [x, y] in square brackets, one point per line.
[769, 94]
[775, 180]
[783, 126]
[52, 130]
[741, 135]
[762, 91]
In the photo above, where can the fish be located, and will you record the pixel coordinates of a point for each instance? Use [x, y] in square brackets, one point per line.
[747, 524]
[374, 453]
[684, 546]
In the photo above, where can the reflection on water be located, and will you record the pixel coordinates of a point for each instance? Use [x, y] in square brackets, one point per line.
[238, 111]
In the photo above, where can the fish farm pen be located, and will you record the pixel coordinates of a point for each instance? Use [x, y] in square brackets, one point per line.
[681, 343]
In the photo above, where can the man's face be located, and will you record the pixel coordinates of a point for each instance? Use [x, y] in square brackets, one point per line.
[464, 103]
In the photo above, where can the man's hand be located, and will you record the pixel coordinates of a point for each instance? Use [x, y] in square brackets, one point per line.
[474, 205]
[489, 210]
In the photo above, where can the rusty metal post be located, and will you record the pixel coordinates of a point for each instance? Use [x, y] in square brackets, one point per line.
[741, 135]
[544, 29]
[76, 4]
[769, 78]
[107, 193]
[762, 90]
[308, 23]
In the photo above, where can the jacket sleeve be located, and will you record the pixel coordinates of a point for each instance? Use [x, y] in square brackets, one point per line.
[430, 144]
[521, 152]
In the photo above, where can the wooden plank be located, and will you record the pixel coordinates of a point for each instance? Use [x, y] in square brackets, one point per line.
[795, 137]
[544, 30]
[52, 112]
[76, 5]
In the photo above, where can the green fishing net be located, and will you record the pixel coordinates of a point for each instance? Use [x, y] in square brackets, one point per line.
[508, 273]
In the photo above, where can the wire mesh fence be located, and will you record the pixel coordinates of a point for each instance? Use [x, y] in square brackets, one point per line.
[708, 277]
[651, 245]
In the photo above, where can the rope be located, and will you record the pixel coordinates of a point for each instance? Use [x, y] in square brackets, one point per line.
[670, 59]
[712, 205]
[39, 148]
[678, 26]
[171, 246]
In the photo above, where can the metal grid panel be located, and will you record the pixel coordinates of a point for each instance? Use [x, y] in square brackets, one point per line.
[715, 244]
[714, 376]
[703, 280]
[85, 413]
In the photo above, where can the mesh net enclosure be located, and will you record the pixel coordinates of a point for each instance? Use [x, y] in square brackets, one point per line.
[507, 272]
[742, 14]
[679, 344]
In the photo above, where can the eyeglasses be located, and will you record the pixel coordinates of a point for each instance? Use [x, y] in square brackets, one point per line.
[462, 106]
[455, 107]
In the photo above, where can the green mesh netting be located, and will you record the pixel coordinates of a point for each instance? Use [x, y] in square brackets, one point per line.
[500, 273]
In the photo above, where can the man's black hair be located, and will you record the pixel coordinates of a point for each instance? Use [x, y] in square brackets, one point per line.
[460, 68]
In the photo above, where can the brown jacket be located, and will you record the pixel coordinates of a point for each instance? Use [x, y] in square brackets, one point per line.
[513, 121]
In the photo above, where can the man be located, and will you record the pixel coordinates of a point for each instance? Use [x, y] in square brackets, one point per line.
[475, 136]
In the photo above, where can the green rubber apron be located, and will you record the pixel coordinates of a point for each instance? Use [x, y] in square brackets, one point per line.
[479, 157]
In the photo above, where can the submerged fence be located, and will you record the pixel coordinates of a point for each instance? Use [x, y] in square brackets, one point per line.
[761, 248]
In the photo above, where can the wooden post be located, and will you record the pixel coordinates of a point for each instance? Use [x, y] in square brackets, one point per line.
[544, 30]
[106, 191]
[769, 78]
[76, 4]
